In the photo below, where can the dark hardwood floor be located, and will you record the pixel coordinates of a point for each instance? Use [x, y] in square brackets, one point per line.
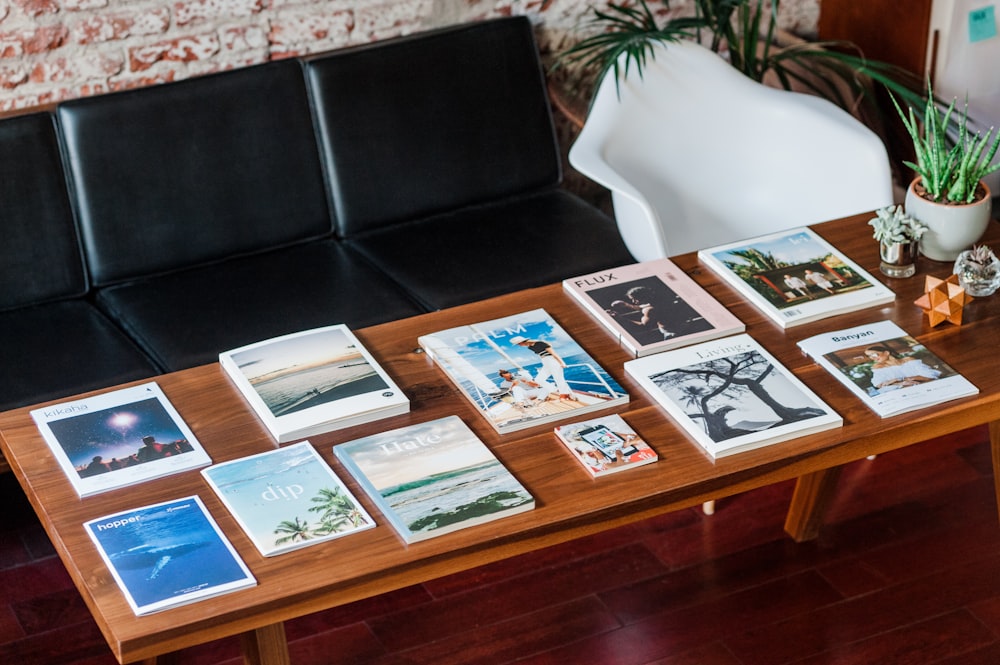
[907, 571]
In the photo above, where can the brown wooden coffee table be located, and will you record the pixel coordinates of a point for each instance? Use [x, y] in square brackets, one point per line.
[569, 503]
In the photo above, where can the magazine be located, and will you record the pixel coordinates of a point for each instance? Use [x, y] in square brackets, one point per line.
[287, 498]
[523, 370]
[311, 382]
[605, 445]
[890, 371]
[652, 306]
[168, 554]
[731, 395]
[433, 478]
[795, 276]
[119, 438]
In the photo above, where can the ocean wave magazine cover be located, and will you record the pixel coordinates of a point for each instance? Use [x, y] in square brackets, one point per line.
[119, 438]
[523, 370]
[168, 554]
[605, 445]
[433, 478]
[287, 498]
[886, 368]
[652, 306]
[731, 395]
[311, 382]
[795, 276]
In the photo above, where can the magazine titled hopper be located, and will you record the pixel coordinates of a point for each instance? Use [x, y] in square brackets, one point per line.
[168, 554]
[795, 276]
[731, 395]
[652, 306]
[433, 478]
[119, 438]
[887, 369]
[311, 382]
[522, 370]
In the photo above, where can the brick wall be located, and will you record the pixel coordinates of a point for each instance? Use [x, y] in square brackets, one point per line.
[52, 50]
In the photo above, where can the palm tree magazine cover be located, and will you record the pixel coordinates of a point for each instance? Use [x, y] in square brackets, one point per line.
[730, 395]
[522, 370]
[433, 478]
[287, 498]
[168, 554]
[652, 306]
[886, 368]
[795, 276]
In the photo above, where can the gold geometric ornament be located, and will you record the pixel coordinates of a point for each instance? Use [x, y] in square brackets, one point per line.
[943, 300]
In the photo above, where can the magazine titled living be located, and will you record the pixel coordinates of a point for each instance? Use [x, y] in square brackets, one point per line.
[168, 554]
[287, 498]
[652, 306]
[433, 478]
[890, 371]
[795, 276]
[731, 395]
[523, 370]
[605, 445]
[311, 382]
[119, 438]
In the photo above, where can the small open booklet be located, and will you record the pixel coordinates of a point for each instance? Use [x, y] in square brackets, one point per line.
[890, 371]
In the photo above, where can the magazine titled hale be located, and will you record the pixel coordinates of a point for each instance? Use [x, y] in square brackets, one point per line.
[287, 498]
[890, 371]
[433, 478]
[523, 370]
[119, 438]
[652, 306]
[168, 554]
[731, 395]
[311, 382]
[795, 276]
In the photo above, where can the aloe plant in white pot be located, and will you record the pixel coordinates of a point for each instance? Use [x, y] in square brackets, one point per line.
[948, 193]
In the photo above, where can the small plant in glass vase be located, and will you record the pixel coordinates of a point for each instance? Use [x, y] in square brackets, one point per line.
[897, 234]
[978, 271]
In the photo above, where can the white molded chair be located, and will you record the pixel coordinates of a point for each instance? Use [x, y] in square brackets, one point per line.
[696, 154]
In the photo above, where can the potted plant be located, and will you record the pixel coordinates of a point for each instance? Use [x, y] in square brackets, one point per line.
[948, 193]
[898, 235]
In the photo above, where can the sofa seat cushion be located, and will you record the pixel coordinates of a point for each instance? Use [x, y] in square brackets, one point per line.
[484, 251]
[186, 318]
[63, 348]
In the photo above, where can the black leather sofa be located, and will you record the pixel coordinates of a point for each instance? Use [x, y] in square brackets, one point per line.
[145, 231]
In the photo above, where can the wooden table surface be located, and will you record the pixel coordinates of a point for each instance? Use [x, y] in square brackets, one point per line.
[569, 503]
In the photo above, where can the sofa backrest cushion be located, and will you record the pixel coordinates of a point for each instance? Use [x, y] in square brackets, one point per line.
[39, 248]
[432, 122]
[184, 173]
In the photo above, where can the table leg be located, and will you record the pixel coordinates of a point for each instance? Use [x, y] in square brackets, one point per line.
[995, 454]
[266, 646]
[813, 493]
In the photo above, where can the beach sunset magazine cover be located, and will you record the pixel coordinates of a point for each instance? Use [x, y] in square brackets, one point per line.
[312, 382]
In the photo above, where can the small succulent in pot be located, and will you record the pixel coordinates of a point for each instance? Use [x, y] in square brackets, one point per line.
[892, 225]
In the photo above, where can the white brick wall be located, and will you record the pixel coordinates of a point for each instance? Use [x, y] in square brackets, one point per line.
[52, 50]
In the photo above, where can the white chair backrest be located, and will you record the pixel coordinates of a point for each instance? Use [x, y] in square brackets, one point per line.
[696, 154]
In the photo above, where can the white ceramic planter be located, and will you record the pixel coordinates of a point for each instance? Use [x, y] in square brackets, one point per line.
[951, 229]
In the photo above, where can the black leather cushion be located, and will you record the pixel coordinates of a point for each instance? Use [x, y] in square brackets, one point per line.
[433, 122]
[61, 349]
[178, 174]
[483, 251]
[186, 318]
[39, 250]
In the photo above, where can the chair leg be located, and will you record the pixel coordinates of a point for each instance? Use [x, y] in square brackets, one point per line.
[708, 507]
